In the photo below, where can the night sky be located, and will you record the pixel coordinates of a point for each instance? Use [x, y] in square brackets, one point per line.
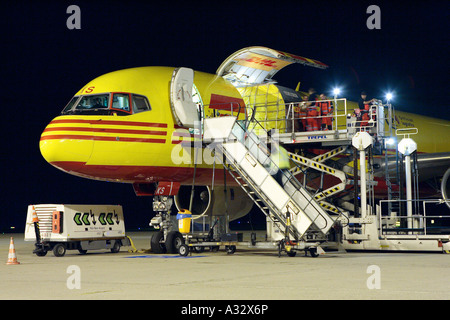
[43, 64]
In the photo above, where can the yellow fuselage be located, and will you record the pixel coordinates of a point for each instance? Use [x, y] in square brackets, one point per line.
[147, 146]
[132, 147]
[432, 134]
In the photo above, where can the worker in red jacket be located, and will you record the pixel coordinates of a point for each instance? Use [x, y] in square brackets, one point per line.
[364, 107]
[326, 111]
[312, 123]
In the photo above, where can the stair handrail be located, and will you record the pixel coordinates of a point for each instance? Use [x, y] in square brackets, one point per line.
[268, 162]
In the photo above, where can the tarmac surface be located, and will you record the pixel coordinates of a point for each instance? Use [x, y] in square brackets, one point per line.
[246, 274]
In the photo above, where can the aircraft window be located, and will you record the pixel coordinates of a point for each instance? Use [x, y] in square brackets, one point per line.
[70, 105]
[121, 101]
[92, 102]
[140, 104]
[102, 104]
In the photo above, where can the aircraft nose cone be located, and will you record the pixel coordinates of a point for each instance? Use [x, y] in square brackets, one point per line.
[65, 148]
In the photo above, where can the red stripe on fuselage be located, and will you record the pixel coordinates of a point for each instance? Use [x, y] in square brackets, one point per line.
[98, 138]
[112, 122]
[107, 130]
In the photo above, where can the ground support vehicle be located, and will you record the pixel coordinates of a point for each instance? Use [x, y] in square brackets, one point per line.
[61, 227]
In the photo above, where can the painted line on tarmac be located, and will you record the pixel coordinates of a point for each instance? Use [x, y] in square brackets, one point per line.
[163, 257]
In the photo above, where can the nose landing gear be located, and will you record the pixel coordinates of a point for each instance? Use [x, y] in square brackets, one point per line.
[166, 240]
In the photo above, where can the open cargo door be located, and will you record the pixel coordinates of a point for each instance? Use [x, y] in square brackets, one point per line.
[256, 65]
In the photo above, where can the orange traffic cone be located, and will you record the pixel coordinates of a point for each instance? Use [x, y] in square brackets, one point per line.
[34, 215]
[12, 259]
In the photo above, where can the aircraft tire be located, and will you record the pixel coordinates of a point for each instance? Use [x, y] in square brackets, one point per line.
[174, 241]
[155, 243]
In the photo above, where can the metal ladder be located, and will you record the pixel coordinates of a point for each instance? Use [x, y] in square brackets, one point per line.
[248, 162]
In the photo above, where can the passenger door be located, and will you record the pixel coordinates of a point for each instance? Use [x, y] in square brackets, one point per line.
[183, 107]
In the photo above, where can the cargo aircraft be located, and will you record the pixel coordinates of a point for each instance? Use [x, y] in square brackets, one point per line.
[139, 126]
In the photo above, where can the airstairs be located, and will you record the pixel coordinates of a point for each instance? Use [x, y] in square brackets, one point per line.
[246, 156]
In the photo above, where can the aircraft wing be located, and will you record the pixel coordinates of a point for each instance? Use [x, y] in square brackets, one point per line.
[429, 165]
[254, 65]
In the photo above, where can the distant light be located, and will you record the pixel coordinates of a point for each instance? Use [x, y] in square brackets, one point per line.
[390, 141]
[389, 96]
[336, 91]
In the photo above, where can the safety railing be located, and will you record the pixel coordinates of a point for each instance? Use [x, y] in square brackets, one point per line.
[224, 109]
[430, 216]
[286, 117]
[249, 134]
[305, 117]
[298, 116]
[363, 120]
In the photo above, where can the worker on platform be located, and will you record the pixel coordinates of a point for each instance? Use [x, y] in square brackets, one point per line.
[364, 107]
[312, 123]
[302, 114]
[326, 111]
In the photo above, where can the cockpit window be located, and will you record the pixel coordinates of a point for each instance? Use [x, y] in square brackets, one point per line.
[93, 102]
[140, 104]
[121, 104]
[121, 101]
[71, 104]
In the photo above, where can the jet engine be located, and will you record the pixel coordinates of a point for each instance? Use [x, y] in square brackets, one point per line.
[212, 202]
[445, 188]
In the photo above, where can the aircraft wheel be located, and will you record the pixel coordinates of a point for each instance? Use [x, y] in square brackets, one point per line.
[155, 243]
[174, 241]
[59, 250]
